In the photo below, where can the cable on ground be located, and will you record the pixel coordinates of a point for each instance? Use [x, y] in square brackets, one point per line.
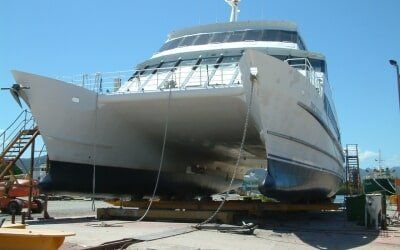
[246, 124]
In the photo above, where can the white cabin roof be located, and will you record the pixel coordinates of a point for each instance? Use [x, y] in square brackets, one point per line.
[233, 26]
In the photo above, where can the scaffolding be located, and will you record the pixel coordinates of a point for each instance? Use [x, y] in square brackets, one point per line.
[353, 182]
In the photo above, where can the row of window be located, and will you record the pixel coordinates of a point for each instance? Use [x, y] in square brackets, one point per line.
[167, 66]
[331, 116]
[318, 65]
[235, 36]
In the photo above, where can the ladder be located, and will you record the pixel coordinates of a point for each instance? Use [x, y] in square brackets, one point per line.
[15, 140]
[353, 182]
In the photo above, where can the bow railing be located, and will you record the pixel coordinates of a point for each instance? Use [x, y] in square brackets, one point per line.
[158, 79]
[304, 66]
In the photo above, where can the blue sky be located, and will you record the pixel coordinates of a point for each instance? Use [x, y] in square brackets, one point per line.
[358, 37]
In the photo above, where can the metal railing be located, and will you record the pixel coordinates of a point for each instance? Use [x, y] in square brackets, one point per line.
[300, 63]
[179, 77]
[102, 82]
[158, 79]
[304, 66]
[23, 121]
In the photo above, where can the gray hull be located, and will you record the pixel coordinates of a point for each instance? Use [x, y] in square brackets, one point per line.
[293, 182]
[125, 135]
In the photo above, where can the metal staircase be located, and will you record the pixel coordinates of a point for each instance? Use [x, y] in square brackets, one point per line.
[353, 183]
[15, 140]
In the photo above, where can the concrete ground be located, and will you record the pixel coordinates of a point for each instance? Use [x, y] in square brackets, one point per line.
[68, 208]
[327, 230]
[269, 239]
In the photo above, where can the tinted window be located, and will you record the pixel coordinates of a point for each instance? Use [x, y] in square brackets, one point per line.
[188, 62]
[318, 65]
[149, 69]
[187, 41]
[171, 44]
[288, 36]
[236, 36]
[252, 35]
[300, 43]
[330, 114]
[280, 57]
[202, 39]
[270, 35]
[165, 46]
[218, 38]
[210, 60]
[167, 66]
[231, 59]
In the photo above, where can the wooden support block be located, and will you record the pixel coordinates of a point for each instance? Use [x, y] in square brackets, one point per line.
[163, 214]
[252, 206]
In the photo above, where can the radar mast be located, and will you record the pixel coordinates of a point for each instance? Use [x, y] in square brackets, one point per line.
[235, 9]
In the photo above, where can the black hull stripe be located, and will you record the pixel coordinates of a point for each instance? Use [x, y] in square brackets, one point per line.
[277, 157]
[324, 126]
[291, 138]
[295, 182]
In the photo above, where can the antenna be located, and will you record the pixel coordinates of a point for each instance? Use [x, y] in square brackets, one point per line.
[379, 160]
[235, 9]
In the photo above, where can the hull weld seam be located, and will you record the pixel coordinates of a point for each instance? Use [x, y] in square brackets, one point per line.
[291, 138]
[324, 126]
[280, 158]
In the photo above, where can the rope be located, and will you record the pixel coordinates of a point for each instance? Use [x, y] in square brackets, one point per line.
[94, 153]
[40, 155]
[246, 124]
[200, 225]
[159, 168]
[161, 159]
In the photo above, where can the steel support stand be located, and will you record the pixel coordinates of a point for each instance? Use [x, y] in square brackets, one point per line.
[29, 216]
[46, 215]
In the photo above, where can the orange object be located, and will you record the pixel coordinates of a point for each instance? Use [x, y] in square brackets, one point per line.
[11, 190]
[21, 188]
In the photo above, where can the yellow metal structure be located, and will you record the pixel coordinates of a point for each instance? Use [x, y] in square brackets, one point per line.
[16, 239]
[111, 213]
[15, 226]
[15, 149]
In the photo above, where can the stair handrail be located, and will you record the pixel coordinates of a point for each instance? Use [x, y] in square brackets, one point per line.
[9, 165]
[23, 125]
[15, 120]
[23, 120]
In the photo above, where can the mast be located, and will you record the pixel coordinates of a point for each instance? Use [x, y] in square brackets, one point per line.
[234, 9]
[379, 160]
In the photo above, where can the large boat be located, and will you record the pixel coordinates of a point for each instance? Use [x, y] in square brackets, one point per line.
[380, 180]
[201, 82]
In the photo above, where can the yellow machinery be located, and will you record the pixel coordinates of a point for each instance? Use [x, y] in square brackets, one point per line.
[13, 239]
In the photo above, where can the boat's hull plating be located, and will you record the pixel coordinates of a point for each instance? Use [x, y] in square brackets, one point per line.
[122, 136]
[373, 185]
